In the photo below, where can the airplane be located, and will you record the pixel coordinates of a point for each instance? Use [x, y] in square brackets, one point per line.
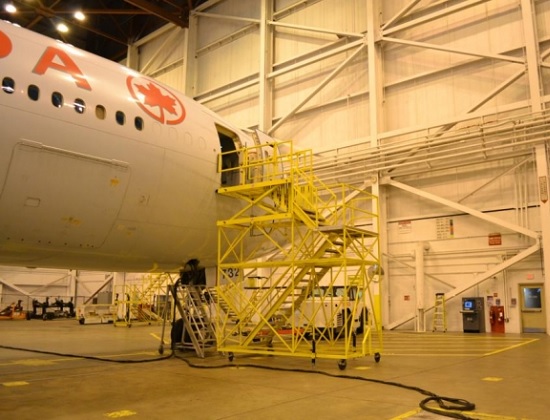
[102, 168]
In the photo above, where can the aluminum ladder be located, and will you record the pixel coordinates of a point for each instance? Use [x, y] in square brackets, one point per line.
[439, 322]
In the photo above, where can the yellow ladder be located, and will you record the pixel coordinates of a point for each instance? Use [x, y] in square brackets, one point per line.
[440, 314]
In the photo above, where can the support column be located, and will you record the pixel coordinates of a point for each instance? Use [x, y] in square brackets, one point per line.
[72, 288]
[419, 283]
[132, 57]
[376, 89]
[535, 89]
[190, 80]
[266, 64]
[119, 286]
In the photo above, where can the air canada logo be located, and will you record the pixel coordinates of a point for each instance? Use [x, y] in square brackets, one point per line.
[5, 45]
[158, 102]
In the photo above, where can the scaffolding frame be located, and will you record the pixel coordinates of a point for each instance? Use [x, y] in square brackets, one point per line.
[138, 300]
[325, 240]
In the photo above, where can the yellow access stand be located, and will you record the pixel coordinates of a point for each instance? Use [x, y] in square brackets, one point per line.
[440, 314]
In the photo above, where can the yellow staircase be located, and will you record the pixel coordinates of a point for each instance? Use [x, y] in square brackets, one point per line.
[439, 322]
[137, 301]
[325, 239]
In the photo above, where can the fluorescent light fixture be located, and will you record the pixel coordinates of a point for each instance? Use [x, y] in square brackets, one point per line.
[79, 15]
[10, 8]
[61, 27]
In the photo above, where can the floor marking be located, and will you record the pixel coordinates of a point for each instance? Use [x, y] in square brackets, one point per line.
[480, 416]
[16, 383]
[492, 379]
[362, 367]
[513, 347]
[407, 414]
[37, 362]
[429, 345]
[121, 413]
[140, 353]
[158, 338]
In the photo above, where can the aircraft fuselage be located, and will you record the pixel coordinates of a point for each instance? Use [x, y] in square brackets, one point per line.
[100, 167]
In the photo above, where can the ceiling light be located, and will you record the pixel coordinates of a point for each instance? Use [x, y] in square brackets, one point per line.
[79, 16]
[61, 27]
[10, 8]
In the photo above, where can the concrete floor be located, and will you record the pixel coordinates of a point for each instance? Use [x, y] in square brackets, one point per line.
[505, 376]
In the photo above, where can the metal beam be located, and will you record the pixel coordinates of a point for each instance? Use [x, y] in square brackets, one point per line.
[429, 18]
[227, 17]
[316, 29]
[517, 165]
[161, 49]
[412, 267]
[400, 14]
[107, 281]
[297, 62]
[453, 50]
[158, 11]
[321, 85]
[14, 287]
[465, 209]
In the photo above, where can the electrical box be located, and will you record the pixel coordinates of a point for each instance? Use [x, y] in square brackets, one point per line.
[473, 315]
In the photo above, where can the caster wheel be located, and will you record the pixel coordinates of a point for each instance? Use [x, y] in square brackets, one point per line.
[377, 357]
[342, 364]
[230, 357]
[161, 350]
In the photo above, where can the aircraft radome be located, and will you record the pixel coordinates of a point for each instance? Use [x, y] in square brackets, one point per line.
[102, 168]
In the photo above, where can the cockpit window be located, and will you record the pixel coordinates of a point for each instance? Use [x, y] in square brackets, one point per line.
[8, 85]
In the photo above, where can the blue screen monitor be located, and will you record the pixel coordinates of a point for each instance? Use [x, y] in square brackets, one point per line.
[468, 305]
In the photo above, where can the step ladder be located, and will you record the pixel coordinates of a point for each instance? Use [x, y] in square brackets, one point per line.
[193, 304]
[439, 322]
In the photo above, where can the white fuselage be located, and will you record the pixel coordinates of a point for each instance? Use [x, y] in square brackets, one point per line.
[83, 183]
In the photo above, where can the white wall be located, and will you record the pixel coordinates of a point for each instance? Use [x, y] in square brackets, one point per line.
[438, 63]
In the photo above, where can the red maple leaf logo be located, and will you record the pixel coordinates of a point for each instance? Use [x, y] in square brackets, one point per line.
[156, 100]
[154, 97]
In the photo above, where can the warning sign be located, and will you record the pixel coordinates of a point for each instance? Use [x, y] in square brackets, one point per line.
[495, 239]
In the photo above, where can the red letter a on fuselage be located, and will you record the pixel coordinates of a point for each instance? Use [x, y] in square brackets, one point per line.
[67, 66]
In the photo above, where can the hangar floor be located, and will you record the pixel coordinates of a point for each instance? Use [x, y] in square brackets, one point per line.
[505, 376]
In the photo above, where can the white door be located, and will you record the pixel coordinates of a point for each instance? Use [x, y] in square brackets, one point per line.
[533, 318]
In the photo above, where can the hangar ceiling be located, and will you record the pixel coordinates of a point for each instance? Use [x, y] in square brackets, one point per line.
[109, 25]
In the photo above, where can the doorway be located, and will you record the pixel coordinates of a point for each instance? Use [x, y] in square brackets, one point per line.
[533, 312]
[229, 145]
